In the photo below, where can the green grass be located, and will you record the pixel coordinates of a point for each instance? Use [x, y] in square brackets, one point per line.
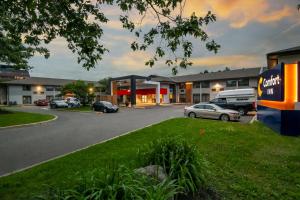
[245, 161]
[79, 109]
[10, 118]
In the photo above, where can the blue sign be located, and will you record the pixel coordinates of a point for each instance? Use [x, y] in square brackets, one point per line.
[271, 84]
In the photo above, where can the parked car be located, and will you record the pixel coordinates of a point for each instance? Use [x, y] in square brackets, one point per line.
[104, 106]
[211, 111]
[58, 104]
[73, 102]
[41, 102]
[242, 100]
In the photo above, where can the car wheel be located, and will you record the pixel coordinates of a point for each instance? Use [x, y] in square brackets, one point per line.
[105, 110]
[192, 115]
[242, 111]
[225, 118]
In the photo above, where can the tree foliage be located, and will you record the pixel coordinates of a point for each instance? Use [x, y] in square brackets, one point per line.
[26, 26]
[81, 90]
[104, 85]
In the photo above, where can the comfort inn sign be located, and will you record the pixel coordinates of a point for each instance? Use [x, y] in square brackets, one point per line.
[271, 84]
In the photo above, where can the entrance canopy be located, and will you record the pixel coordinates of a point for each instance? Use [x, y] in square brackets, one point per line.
[145, 91]
[136, 85]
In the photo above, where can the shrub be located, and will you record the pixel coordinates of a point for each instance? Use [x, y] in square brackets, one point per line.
[115, 184]
[180, 159]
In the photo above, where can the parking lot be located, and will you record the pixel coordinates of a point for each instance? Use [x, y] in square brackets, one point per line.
[22, 147]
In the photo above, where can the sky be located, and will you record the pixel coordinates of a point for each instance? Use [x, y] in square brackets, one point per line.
[246, 30]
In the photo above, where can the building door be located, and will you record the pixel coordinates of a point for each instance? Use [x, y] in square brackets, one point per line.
[26, 99]
[196, 98]
[144, 99]
[205, 98]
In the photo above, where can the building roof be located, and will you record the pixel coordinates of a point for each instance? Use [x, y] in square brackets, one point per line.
[161, 79]
[128, 77]
[8, 71]
[290, 51]
[42, 81]
[232, 74]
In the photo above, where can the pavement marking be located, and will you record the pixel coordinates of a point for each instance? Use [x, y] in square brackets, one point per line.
[29, 124]
[66, 154]
[254, 118]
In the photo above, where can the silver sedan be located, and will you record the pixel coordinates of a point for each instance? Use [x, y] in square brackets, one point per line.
[211, 111]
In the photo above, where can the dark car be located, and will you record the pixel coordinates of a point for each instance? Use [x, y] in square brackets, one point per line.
[41, 102]
[104, 106]
[58, 104]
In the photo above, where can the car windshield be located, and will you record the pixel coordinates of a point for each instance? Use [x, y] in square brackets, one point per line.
[108, 104]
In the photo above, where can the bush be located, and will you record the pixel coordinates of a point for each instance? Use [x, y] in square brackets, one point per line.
[115, 184]
[180, 159]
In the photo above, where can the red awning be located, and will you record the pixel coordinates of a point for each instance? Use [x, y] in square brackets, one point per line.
[142, 91]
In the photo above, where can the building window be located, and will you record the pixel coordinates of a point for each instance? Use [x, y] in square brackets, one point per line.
[26, 88]
[182, 98]
[196, 98]
[58, 88]
[181, 86]
[205, 98]
[205, 84]
[243, 82]
[49, 98]
[35, 92]
[26, 99]
[49, 88]
[42, 92]
[196, 85]
[231, 83]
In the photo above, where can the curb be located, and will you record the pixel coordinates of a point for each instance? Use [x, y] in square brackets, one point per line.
[74, 111]
[75, 151]
[29, 124]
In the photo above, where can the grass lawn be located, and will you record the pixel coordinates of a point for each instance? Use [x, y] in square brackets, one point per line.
[79, 109]
[10, 118]
[245, 161]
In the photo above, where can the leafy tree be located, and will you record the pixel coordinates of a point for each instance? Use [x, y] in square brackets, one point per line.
[81, 90]
[104, 85]
[26, 26]
[227, 69]
[205, 71]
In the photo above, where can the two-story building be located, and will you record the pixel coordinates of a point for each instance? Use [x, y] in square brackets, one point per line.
[26, 91]
[193, 88]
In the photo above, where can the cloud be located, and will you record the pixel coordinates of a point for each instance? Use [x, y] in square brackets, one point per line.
[229, 60]
[240, 13]
[131, 61]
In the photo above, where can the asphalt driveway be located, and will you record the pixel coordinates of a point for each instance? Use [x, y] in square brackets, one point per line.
[25, 146]
[22, 147]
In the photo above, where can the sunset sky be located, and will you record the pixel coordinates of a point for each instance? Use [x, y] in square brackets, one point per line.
[246, 31]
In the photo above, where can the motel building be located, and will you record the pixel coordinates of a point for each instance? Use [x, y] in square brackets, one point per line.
[29, 89]
[188, 89]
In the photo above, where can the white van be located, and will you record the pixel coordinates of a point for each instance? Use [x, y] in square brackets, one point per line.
[242, 100]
